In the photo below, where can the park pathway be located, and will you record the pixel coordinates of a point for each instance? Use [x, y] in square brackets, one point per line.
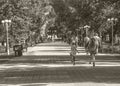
[48, 64]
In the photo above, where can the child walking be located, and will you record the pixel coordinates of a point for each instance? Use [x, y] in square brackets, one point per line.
[73, 51]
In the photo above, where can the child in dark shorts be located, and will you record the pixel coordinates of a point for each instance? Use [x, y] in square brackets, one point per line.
[73, 52]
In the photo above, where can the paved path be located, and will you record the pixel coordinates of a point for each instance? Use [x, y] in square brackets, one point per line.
[49, 64]
[56, 48]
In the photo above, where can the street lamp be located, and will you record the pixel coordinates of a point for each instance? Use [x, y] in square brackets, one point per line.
[86, 29]
[113, 22]
[6, 25]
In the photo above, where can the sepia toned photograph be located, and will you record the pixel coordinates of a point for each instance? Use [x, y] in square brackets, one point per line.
[59, 42]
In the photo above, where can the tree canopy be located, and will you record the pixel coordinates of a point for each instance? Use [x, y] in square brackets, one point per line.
[37, 16]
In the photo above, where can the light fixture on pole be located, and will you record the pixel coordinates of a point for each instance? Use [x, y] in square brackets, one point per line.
[113, 22]
[6, 25]
[86, 29]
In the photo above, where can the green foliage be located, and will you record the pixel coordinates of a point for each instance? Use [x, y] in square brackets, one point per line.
[27, 16]
[77, 13]
[65, 15]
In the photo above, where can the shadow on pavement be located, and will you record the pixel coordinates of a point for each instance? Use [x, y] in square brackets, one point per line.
[30, 70]
[74, 74]
[55, 59]
[6, 58]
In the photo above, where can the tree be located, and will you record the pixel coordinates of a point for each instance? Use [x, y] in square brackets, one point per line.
[26, 15]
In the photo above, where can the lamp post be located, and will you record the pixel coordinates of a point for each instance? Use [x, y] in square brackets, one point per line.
[113, 22]
[6, 25]
[86, 29]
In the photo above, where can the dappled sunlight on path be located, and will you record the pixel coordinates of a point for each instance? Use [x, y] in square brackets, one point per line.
[49, 64]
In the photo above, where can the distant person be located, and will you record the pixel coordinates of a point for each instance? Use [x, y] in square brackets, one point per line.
[74, 38]
[26, 45]
[73, 49]
[98, 41]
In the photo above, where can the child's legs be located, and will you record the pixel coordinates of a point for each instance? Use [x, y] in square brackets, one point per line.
[94, 60]
[73, 58]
